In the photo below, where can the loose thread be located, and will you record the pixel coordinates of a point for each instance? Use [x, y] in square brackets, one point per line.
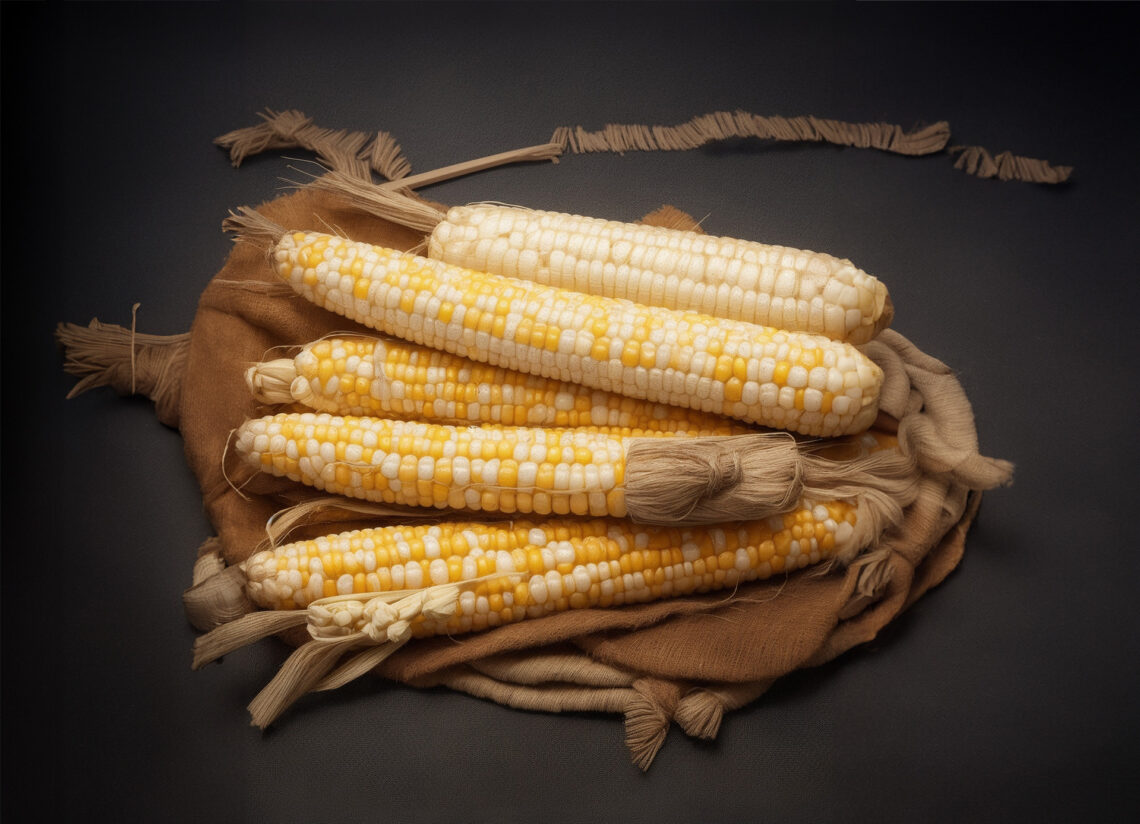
[335, 508]
[225, 475]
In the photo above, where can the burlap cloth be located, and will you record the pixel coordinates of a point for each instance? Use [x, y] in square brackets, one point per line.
[688, 659]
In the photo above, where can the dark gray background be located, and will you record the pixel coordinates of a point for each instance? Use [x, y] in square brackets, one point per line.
[1009, 693]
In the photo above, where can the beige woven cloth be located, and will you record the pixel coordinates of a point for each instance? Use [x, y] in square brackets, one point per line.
[687, 660]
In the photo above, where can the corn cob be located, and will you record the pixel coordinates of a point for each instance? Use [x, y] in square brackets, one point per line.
[785, 380]
[661, 478]
[481, 468]
[768, 285]
[362, 376]
[364, 594]
[508, 572]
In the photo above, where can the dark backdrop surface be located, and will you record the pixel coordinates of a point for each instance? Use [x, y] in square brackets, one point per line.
[1008, 693]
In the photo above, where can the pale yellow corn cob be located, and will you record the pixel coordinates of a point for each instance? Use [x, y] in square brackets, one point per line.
[786, 380]
[528, 569]
[362, 376]
[488, 468]
[768, 285]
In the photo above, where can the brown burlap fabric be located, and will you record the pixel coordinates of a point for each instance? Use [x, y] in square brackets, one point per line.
[686, 660]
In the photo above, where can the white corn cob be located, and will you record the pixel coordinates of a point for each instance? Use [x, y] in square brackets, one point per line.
[743, 280]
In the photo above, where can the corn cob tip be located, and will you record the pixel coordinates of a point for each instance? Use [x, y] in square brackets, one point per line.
[271, 382]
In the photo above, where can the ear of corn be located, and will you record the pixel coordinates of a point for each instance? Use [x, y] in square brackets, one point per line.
[508, 572]
[785, 380]
[361, 376]
[768, 285]
[479, 468]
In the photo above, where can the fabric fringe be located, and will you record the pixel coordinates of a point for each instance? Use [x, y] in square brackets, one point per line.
[353, 153]
[701, 710]
[647, 718]
[646, 727]
[251, 226]
[709, 128]
[700, 714]
[357, 154]
[724, 125]
[977, 161]
[106, 354]
[387, 159]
